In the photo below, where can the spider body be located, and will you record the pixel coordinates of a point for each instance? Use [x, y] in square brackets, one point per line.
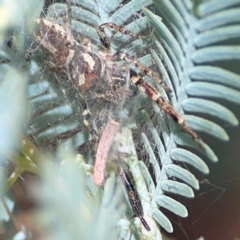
[102, 83]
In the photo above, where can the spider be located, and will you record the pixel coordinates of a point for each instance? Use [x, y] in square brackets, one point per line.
[104, 86]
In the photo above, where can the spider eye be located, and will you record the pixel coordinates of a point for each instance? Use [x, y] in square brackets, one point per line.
[119, 83]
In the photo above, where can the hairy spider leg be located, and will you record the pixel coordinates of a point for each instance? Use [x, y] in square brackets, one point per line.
[130, 59]
[124, 56]
[103, 37]
[134, 199]
[165, 105]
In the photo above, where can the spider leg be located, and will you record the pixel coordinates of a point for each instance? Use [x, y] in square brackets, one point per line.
[165, 105]
[144, 69]
[103, 37]
[124, 56]
[86, 114]
[134, 199]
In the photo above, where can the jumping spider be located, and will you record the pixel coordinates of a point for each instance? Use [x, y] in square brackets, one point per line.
[104, 86]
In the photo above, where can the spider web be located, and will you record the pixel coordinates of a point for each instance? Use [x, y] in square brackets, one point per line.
[57, 121]
[213, 213]
[144, 136]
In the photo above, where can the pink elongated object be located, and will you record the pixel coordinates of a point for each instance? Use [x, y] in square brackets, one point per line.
[104, 146]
